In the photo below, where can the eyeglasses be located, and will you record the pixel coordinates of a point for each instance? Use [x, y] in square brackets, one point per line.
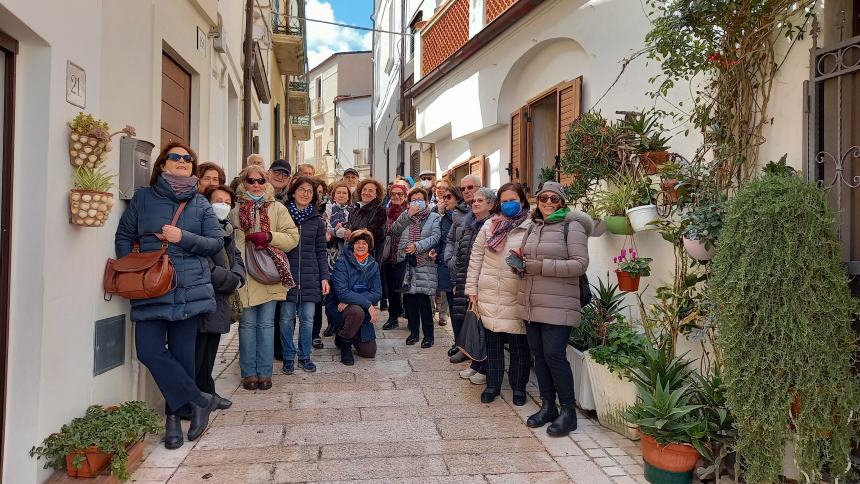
[549, 199]
[306, 191]
[397, 195]
[257, 181]
[176, 157]
[467, 187]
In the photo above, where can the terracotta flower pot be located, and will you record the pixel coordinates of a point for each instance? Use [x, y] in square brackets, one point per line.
[94, 462]
[88, 208]
[697, 250]
[670, 190]
[671, 457]
[618, 225]
[651, 161]
[627, 282]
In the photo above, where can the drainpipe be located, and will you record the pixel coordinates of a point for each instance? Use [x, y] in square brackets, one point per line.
[247, 61]
[372, 147]
[336, 131]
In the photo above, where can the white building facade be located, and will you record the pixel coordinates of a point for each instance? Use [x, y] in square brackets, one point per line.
[173, 70]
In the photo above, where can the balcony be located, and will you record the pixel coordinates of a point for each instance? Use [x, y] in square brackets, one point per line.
[288, 36]
[318, 108]
[453, 26]
[407, 112]
[298, 87]
[301, 127]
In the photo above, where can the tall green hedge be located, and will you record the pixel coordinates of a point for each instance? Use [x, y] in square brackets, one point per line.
[784, 316]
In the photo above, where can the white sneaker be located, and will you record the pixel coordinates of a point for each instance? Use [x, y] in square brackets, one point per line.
[478, 378]
[467, 373]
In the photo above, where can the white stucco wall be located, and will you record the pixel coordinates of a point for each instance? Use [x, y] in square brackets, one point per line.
[353, 123]
[56, 268]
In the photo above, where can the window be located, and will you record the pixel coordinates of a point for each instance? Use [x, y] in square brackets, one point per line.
[318, 151]
[413, 30]
[391, 28]
[538, 131]
[472, 166]
[319, 87]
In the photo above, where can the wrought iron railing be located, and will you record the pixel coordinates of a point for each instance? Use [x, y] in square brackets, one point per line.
[299, 83]
[304, 121]
[288, 17]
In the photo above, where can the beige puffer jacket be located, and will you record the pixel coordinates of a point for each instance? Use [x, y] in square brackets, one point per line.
[552, 297]
[491, 279]
[285, 236]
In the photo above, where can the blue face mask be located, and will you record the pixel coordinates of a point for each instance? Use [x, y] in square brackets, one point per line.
[511, 208]
[418, 203]
[256, 198]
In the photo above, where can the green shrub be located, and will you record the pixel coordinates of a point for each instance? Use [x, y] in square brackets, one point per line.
[784, 314]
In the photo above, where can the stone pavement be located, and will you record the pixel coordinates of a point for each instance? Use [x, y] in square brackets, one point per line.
[404, 417]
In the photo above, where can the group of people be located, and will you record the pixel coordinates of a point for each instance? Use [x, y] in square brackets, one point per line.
[277, 247]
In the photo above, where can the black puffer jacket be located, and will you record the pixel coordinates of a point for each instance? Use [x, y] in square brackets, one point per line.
[370, 216]
[309, 260]
[458, 249]
[228, 274]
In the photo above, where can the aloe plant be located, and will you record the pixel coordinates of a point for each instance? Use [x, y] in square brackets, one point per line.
[93, 179]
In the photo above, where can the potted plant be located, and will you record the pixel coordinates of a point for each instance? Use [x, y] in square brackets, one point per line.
[630, 268]
[89, 141]
[650, 144]
[591, 332]
[702, 225]
[90, 202]
[86, 444]
[609, 365]
[670, 175]
[643, 212]
[613, 203]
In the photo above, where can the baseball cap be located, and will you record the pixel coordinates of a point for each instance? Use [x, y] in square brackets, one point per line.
[350, 170]
[282, 166]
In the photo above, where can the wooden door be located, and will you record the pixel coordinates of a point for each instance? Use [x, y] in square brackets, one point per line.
[569, 109]
[175, 102]
[517, 168]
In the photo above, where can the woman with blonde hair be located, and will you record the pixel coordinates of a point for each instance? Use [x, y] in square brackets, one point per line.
[264, 225]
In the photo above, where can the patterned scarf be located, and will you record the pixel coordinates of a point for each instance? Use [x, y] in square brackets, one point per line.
[247, 216]
[500, 226]
[415, 225]
[393, 214]
[339, 214]
[299, 216]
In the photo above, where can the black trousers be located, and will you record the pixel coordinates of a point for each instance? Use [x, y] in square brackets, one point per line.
[279, 348]
[204, 360]
[518, 370]
[548, 344]
[395, 302]
[419, 312]
[172, 366]
[318, 311]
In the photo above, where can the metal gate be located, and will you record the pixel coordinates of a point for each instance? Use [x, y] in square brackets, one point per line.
[832, 141]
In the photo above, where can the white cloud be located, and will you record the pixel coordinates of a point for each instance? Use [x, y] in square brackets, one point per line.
[324, 39]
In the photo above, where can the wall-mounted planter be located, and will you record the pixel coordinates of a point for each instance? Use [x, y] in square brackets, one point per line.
[87, 151]
[652, 161]
[641, 216]
[88, 208]
[612, 396]
[697, 250]
[618, 225]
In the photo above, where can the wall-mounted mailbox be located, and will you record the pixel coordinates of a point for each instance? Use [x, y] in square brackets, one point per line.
[135, 165]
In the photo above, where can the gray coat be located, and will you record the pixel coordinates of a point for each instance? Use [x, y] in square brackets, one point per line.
[551, 295]
[422, 279]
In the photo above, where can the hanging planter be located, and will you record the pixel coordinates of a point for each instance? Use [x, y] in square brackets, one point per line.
[668, 463]
[669, 187]
[89, 141]
[640, 217]
[652, 161]
[698, 250]
[627, 281]
[89, 208]
[618, 225]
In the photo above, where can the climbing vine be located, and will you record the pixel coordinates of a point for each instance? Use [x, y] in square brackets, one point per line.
[784, 312]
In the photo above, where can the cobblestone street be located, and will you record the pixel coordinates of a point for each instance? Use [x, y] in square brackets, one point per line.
[404, 417]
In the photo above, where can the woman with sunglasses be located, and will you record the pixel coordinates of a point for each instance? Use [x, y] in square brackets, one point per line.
[418, 228]
[555, 254]
[452, 209]
[174, 317]
[267, 224]
[309, 268]
[493, 288]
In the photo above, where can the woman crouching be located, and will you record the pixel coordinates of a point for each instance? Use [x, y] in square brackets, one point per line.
[356, 289]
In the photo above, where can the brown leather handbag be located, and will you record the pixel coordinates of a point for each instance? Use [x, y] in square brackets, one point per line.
[142, 275]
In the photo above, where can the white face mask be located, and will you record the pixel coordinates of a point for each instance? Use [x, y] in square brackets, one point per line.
[426, 184]
[352, 190]
[222, 210]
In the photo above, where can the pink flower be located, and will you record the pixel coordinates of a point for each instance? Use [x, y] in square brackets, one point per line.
[623, 253]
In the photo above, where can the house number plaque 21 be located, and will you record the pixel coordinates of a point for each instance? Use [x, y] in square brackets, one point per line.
[76, 85]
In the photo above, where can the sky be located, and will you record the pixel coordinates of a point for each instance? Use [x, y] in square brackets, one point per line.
[324, 40]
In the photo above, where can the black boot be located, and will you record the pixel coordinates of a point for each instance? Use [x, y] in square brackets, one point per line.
[200, 416]
[345, 346]
[519, 397]
[489, 395]
[565, 423]
[223, 403]
[547, 413]
[453, 350]
[172, 432]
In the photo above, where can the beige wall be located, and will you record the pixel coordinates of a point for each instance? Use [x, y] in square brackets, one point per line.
[355, 74]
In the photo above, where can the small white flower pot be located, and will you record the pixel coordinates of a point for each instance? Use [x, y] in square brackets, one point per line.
[697, 249]
[641, 216]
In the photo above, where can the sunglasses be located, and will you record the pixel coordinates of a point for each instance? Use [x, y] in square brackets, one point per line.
[549, 199]
[176, 157]
[467, 187]
[427, 178]
[257, 181]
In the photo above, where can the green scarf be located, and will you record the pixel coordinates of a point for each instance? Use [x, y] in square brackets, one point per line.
[558, 216]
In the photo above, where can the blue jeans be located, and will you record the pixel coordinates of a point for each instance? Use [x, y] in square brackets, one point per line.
[257, 340]
[288, 326]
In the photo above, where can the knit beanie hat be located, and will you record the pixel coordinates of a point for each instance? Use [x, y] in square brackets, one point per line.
[552, 187]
